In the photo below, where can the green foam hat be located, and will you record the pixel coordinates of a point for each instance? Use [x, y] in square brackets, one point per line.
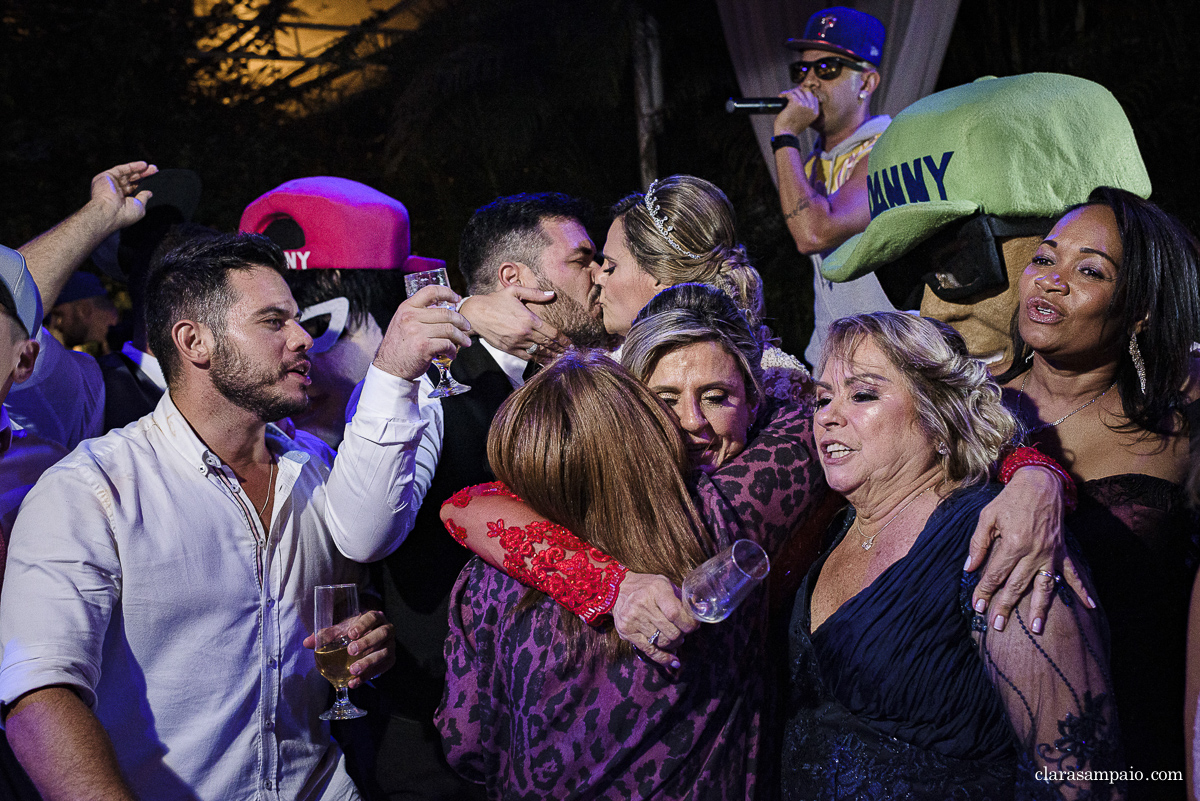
[1022, 146]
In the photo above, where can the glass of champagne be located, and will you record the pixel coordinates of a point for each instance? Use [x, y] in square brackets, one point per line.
[413, 282]
[336, 610]
[714, 589]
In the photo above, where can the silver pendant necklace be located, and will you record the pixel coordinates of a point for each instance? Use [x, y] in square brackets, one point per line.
[1041, 426]
[270, 486]
[867, 542]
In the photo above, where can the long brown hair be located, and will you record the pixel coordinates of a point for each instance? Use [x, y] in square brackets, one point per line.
[595, 451]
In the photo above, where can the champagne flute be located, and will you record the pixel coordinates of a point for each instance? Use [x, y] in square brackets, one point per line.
[714, 589]
[336, 611]
[447, 386]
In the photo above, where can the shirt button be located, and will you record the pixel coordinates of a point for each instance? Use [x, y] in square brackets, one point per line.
[269, 725]
[270, 602]
[267, 784]
[271, 662]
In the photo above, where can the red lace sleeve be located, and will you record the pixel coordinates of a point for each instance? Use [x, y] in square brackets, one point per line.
[540, 554]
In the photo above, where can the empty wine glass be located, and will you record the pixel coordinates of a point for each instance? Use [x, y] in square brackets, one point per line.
[412, 283]
[714, 589]
[336, 610]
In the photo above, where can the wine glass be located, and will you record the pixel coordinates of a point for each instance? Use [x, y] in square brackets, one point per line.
[447, 386]
[714, 589]
[336, 610]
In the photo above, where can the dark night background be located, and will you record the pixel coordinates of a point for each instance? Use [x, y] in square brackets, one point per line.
[491, 97]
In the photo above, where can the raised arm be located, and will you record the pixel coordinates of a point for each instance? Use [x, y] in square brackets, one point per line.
[374, 490]
[817, 222]
[115, 204]
[1057, 695]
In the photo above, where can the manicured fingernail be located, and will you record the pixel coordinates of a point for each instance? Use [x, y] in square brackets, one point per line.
[675, 664]
[547, 293]
[1037, 625]
[353, 649]
[1091, 604]
[981, 606]
[998, 623]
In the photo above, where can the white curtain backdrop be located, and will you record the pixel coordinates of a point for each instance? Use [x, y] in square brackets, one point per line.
[755, 30]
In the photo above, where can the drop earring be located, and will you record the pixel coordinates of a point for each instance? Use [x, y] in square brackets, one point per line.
[1139, 364]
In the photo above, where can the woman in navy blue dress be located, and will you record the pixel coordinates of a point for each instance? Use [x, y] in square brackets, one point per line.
[899, 690]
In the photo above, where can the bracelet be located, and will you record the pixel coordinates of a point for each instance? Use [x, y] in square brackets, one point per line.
[1032, 457]
[784, 140]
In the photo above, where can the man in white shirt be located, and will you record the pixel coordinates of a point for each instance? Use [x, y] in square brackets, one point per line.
[160, 580]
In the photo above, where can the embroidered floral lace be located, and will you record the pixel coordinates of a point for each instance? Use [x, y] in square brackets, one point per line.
[550, 558]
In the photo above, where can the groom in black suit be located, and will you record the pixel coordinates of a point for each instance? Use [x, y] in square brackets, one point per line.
[537, 241]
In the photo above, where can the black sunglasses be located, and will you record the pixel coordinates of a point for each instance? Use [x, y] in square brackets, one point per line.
[826, 68]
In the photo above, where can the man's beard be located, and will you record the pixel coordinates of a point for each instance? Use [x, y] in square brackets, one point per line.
[585, 330]
[251, 388]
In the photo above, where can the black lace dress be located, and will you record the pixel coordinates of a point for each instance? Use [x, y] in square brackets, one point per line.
[1139, 539]
[903, 693]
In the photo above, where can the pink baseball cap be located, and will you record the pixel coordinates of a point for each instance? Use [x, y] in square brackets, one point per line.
[325, 223]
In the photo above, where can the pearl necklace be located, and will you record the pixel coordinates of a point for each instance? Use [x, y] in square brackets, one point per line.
[868, 542]
[1040, 426]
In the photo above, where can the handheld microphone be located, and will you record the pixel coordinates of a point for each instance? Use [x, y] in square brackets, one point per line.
[755, 105]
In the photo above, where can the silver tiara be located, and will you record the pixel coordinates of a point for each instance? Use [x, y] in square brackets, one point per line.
[663, 224]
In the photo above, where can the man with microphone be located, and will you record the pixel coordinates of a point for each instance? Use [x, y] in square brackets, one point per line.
[824, 196]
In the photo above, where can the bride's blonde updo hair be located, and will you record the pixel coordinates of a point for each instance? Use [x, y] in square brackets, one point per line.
[682, 231]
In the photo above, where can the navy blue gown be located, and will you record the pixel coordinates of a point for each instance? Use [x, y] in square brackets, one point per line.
[904, 693]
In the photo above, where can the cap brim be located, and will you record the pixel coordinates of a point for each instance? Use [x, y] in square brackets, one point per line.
[890, 235]
[817, 44]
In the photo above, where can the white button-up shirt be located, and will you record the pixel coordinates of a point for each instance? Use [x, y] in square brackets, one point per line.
[140, 575]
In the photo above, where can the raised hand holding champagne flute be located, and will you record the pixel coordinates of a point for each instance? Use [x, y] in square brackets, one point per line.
[413, 282]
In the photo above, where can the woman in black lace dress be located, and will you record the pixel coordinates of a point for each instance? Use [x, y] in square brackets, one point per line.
[899, 690]
[1110, 306]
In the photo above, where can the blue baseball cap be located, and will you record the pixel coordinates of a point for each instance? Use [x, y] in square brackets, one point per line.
[16, 278]
[843, 30]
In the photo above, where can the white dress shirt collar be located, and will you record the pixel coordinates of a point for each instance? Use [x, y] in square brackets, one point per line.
[513, 366]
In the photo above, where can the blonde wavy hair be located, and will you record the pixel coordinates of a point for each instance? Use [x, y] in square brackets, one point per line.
[957, 401]
[702, 220]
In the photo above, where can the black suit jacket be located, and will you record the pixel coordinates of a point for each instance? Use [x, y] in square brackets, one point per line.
[416, 580]
[129, 393]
